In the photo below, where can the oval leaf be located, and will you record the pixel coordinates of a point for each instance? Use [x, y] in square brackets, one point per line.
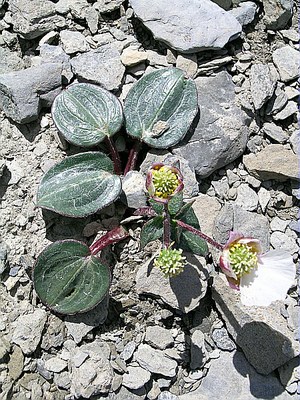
[152, 230]
[79, 185]
[193, 243]
[68, 279]
[160, 107]
[86, 114]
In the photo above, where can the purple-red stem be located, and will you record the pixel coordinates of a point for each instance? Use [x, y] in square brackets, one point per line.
[167, 227]
[200, 234]
[111, 237]
[132, 157]
[114, 156]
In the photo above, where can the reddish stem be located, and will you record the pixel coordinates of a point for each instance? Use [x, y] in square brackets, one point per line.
[132, 157]
[167, 227]
[145, 212]
[111, 237]
[200, 234]
[114, 155]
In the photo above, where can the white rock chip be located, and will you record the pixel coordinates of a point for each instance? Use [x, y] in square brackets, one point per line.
[177, 26]
[73, 42]
[286, 60]
[247, 198]
[159, 337]
[136, 377]
[155, 361]
[262, 84]
[131, 56]
[27, 330]
[55, 364]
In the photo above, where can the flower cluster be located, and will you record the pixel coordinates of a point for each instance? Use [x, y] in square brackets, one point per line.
[261, 278]
[170, 261]
[163, 182]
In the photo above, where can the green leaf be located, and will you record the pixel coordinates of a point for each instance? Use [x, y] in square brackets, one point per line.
[184, 209]
[193, 243]
[152, 230]
[157, 207]
[79, 185]
[85, 114]
[190, 218]
[68, 279]
[160, 107]
[175, 203]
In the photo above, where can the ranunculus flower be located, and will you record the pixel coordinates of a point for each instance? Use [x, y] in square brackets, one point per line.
[261, 278]
[163, 182]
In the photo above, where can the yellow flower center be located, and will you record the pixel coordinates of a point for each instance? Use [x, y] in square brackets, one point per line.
[170, 262]
[242, 258]
[165, 182]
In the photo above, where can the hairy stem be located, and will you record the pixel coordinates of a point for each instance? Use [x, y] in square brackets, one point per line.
[200, 234]
[167, 227]
[132, 157]
[145, 212]
[114, 155]
[111, 237]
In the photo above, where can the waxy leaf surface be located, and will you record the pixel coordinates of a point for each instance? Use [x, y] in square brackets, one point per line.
[152, 230]
[86, 114]
[160, 107]
[79, 185]
[68, 279]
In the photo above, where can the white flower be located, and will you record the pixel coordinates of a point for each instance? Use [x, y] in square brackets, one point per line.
[261, 278]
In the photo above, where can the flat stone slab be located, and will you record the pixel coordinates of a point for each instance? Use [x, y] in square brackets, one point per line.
[232, 377]
[155, 361]
[182, 292]
[222, 131]
[196, 26]
[273, 162]
[261, 332]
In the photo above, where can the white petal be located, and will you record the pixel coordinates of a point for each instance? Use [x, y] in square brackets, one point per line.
[270, 281]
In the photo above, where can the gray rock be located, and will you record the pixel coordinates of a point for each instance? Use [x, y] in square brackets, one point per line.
[50, 53]
[73, 42]
[106, 6]
[245, 12]
[94, 375]
[278, 224]
[21, 92]
[178, 28]
[55, 364]
[246, 198]
[16, 363]
[31, 19]
[9, 61]
[275, 132]
[286, 59]
[159, 337]
[232, 377]
[289, 110]
[187, 63]
[191, 188]
[222, 132]
[277, 13]
[150, 280]
[206, 209]
[155, 361]
[198, 351]
[4, 347]
[62, 380]
[165, 395]
[226, 4]
[128, 351]
[273, 162]
[262, 84]
[234, 218]
[27, 330]
[222, 340]
[261, 332]
[3, 256]
[277, 101]
[136, 377]
[133, 185]
[102, 66]
[264, 197]
[78, 326]
[280, 240]
[295, 141]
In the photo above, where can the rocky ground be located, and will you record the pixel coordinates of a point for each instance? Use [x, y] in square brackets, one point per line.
[152, 338]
